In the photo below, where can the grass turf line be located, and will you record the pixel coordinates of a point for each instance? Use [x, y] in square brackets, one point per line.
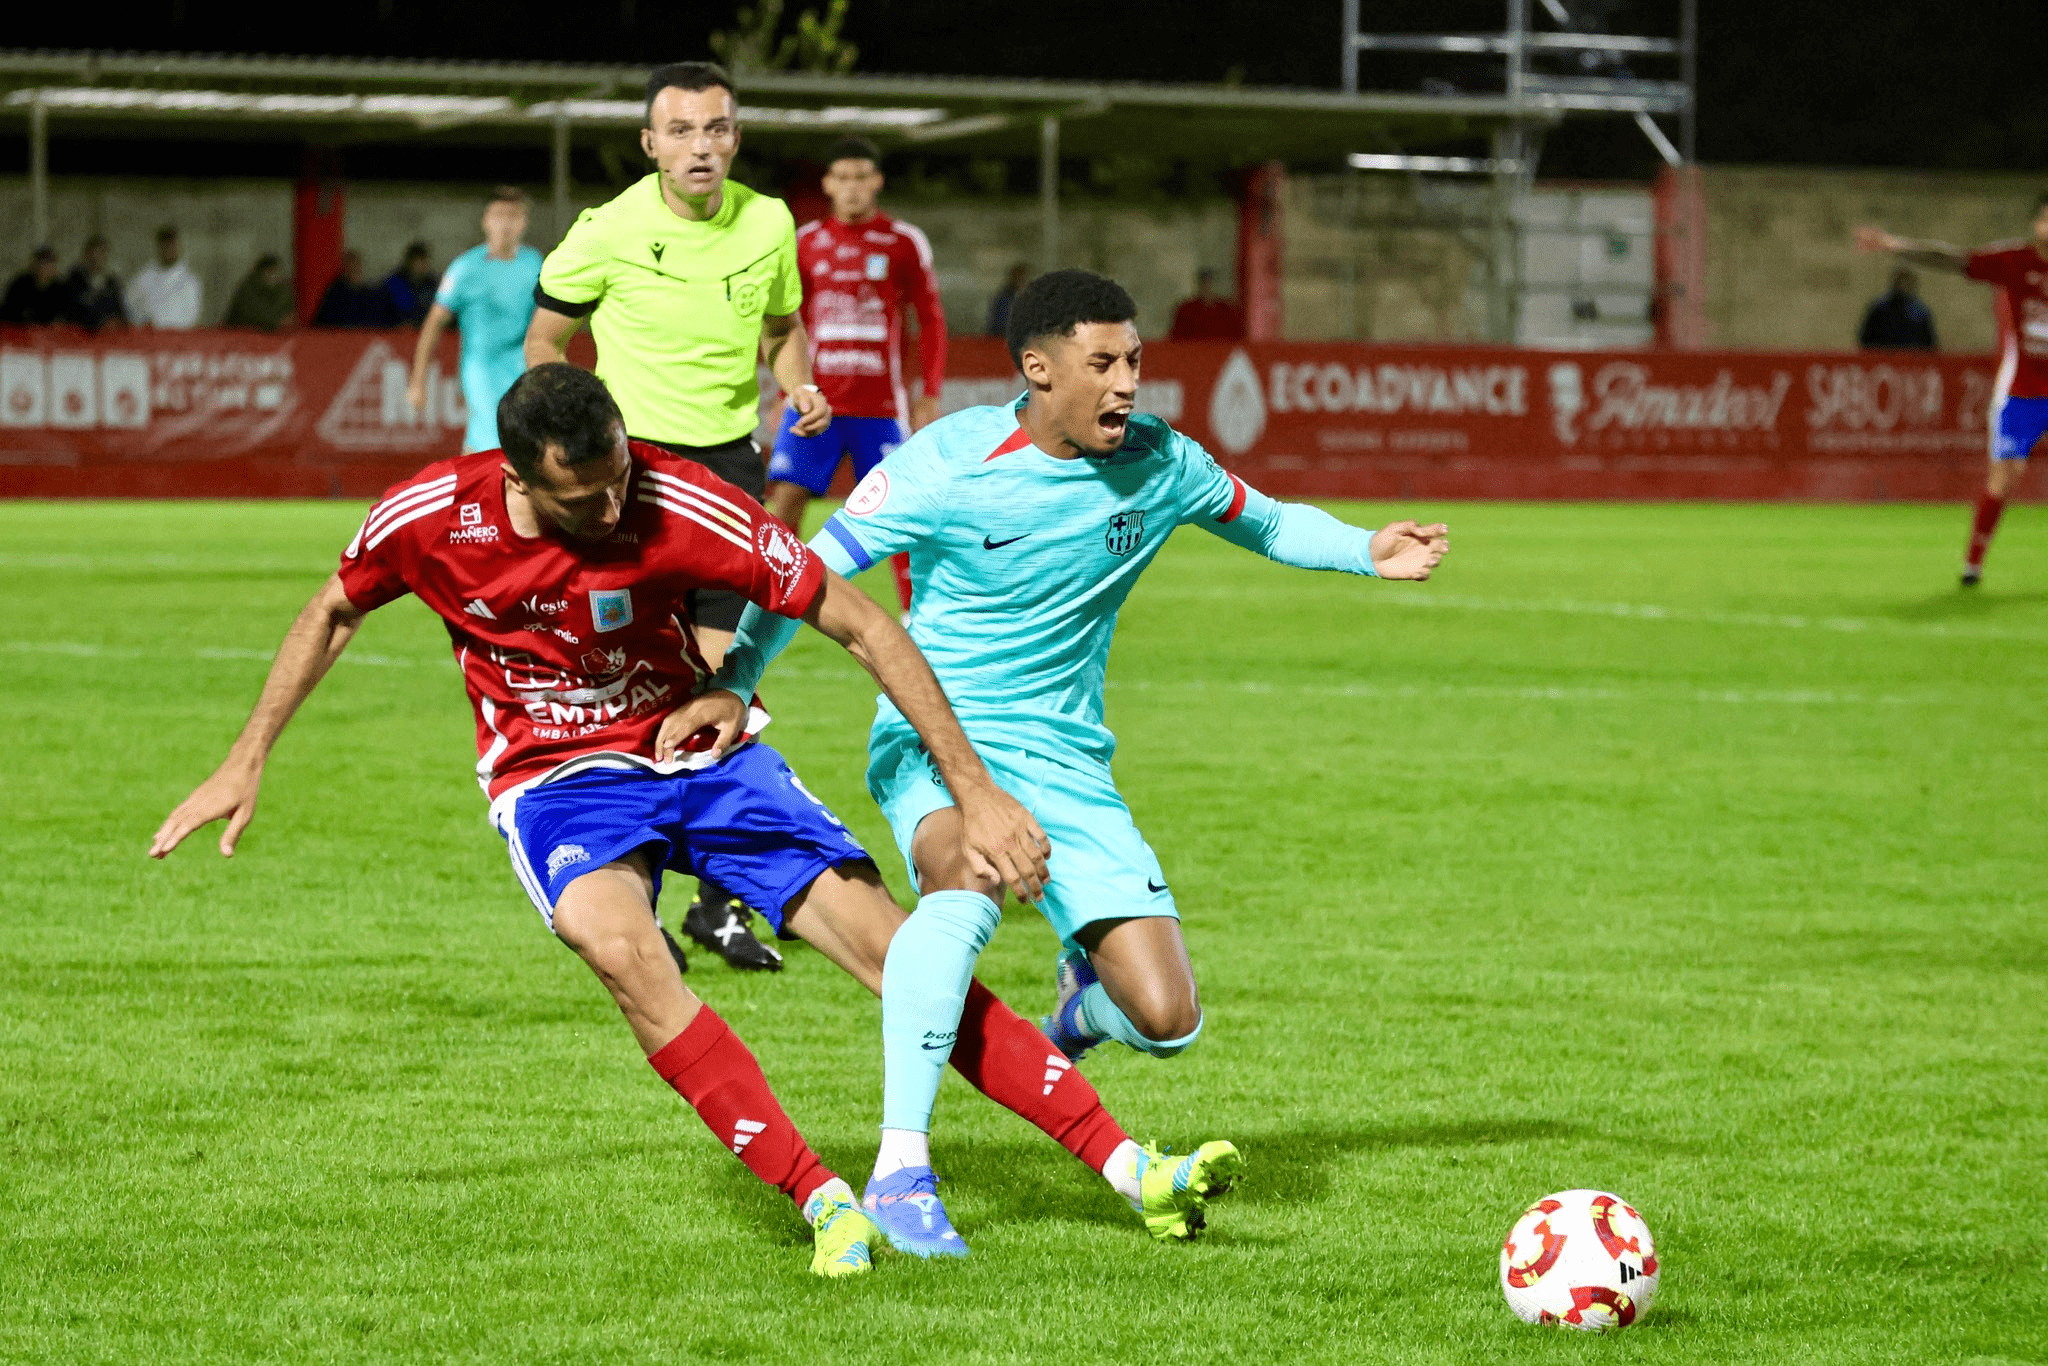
[1690, 851]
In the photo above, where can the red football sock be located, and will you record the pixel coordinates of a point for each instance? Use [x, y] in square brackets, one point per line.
[715, 1072]
[1011, 1063]
[899, 564]
[1989, 506]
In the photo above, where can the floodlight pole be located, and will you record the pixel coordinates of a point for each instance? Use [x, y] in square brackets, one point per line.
[1048, 193]
[38, 170]
[558, 175]
[1350, 47]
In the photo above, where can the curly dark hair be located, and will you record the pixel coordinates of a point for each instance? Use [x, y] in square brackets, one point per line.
[557, 405]
[1058, 301]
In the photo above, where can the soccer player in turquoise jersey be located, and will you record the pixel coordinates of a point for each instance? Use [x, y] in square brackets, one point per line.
[488, 292]
[1027, 526]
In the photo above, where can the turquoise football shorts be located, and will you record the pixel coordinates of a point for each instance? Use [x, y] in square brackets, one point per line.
[1101, 867]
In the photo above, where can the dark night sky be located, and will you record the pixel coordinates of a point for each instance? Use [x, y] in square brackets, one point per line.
[1886, 83]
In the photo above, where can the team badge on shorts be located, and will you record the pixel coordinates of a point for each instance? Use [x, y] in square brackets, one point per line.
[611, 608]
[1126, 530]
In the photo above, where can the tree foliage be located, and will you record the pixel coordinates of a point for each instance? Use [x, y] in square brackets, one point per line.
[756, 42]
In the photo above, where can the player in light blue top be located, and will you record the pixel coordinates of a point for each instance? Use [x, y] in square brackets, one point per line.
[1027, 526]
[488, 292]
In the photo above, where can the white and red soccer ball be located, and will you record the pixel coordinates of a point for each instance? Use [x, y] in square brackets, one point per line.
[1583, 1259]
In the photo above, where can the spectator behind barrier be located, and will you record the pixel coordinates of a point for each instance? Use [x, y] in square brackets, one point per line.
[1208, 316]
[999, 307]
[411, 286]
[264, 299]
[165, 293]
[1897, 320]
[94, 290]
[36, 296]
[349, 302]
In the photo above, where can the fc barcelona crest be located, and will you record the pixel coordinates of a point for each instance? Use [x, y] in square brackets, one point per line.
[1126, 530]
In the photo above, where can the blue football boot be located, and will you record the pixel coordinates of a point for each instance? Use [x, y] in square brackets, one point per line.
[906, 1205]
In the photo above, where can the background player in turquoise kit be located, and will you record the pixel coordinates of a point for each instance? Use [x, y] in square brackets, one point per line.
[488, 292]
[1029, 524]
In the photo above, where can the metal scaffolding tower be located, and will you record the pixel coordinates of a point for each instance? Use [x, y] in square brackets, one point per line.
[1572, 66]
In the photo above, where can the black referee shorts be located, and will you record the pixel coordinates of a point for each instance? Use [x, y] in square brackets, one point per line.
[737, 462]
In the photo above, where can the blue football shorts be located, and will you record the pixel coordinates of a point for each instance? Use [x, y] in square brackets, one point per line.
[1101, 868]
[2016, 425]
[747, 823]
[810, 461]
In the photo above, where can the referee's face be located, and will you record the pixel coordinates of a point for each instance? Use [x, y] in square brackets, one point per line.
[692, 136]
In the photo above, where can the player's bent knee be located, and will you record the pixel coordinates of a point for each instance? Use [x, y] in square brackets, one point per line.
[1168, 1048]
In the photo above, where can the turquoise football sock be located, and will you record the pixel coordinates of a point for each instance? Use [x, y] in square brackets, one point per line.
[924, 986]
[1101, 1018]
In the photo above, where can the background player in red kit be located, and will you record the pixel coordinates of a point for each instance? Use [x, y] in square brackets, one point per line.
[861, 270]
[560, 567]
[2019, 396]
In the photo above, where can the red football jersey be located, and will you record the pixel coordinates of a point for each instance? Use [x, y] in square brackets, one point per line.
[858, 278]
[2021, 278]
[570, 648]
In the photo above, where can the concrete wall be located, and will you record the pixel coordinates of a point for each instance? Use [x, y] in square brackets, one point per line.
[1783, 272]
[1370, 257]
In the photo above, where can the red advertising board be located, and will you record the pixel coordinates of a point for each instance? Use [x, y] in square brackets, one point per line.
[324, 414]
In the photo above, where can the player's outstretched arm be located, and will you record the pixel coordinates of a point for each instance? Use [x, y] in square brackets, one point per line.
[438, 318]
[1921, 252]
[1309, 538]
[322, 631]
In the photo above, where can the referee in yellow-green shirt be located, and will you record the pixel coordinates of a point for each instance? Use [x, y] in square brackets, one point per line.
[685, 278]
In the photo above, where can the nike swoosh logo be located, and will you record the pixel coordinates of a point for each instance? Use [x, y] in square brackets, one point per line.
[947, 1044]
[988, 544]
[1152, 886]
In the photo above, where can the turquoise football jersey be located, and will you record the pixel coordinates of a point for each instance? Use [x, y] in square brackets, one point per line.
[1019, 562]
[492, 302]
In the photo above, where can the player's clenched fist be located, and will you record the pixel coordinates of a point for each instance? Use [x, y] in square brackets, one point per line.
[229, 794]
[1405, 550]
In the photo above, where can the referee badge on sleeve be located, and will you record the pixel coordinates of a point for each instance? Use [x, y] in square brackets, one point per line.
[611, 608]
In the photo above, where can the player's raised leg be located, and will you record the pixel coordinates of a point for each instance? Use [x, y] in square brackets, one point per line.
[607, 917]
[848, 916]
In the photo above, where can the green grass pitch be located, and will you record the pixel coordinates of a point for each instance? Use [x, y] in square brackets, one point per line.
[1694, 852]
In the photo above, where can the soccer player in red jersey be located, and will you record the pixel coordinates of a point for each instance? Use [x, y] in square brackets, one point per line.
[561, 567]
[861, 270]
[2019, 397]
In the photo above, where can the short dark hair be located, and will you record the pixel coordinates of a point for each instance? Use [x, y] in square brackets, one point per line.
[2041, 203]
[268, 260]
[556, 404]
[853, 149]
[686, 76]
[167, 233]
[1059, 301]
[418, 251]
[508, 194]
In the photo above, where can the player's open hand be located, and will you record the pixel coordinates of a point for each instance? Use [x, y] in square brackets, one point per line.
[813, 413]
[711, 722]
[230, 794]
[1876, 239]
[1004, 843]
[1405, 550]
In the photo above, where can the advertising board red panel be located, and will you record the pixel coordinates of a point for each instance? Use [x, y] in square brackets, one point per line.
[324, 414]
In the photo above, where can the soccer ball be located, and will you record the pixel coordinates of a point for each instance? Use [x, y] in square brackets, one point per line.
[1579, 1258]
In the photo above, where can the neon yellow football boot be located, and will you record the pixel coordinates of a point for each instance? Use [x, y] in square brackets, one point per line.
[846, 1237]
[1175, 1191]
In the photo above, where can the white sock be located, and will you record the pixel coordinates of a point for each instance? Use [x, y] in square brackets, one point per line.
[1121, 1171]
[902, 1148]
